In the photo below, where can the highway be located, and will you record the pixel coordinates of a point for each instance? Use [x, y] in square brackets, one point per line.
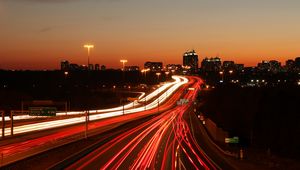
[73, 127]
[164, 142]
[172, 139]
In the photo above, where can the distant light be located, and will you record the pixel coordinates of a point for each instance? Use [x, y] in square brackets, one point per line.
[221, 81]
[263, 81]
[207, 86]
[299, 83]
[123, 61]
[114, 87]
[230, 71]
[252, 80]
[88, 46]
[257, 80]
[66, 73]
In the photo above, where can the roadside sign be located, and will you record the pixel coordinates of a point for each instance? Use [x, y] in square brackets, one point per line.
[232, 140]
[42, 111]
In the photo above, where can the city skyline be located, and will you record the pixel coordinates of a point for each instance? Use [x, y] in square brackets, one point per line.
[36, 35]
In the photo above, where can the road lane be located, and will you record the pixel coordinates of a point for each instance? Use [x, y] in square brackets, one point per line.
[164, 142]
[12, 151]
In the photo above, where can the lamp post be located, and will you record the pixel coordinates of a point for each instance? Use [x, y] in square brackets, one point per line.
[123, 63]
[167, 74]
[87, 113]
[88, 47]
[158, 74]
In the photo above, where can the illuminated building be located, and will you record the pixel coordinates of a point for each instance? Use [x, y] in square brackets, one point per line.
[190, 61]
[211, 64]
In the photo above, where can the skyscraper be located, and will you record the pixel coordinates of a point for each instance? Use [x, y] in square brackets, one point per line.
[190, 61]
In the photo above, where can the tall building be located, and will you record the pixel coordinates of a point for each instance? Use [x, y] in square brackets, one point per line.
[153, 66]
[190, 61]
[64, 65]
[211, 64]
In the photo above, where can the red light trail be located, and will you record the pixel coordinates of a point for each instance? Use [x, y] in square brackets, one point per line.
[152, 144]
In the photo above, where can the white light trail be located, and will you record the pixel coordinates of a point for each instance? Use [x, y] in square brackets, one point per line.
[105, 113]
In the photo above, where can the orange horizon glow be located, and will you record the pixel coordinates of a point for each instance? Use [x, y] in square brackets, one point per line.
[247, 32]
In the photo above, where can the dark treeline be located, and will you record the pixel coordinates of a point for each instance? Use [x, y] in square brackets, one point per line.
[265, 118]
[83, 89]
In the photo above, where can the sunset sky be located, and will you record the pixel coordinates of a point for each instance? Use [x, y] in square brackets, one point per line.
[38, 34]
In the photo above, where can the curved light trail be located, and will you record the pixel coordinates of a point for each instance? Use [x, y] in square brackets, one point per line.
[106, 113]
[164, 142]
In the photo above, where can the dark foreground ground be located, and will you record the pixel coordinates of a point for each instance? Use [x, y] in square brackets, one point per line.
[266, 119]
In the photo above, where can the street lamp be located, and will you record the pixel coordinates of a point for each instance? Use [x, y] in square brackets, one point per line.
[123, 62]
[87, 113]
[158, 74]
[88, 47]
[167, 75]
[66, 73]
